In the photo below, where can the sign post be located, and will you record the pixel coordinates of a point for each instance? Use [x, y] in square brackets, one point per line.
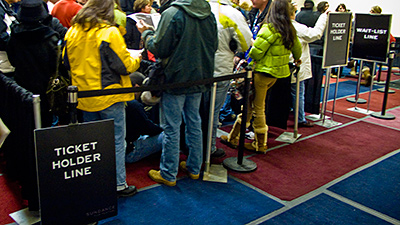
[76, 173]
[336, 54]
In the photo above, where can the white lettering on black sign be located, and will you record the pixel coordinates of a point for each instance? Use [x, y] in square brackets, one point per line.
[371, 34]
[73, 161]
[338, 29]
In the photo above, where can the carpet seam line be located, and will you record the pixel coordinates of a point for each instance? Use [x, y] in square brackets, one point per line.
[361, 207]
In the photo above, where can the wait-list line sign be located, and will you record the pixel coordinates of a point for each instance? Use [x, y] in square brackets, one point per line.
[371, 37]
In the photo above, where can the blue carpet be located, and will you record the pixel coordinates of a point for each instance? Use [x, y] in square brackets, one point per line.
[377, 187]
[324, 209]
[346, 88]
[194, 202]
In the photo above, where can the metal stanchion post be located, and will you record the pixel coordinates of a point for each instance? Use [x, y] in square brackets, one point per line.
[73, 103]
[370, 86]
[215, 173]
[357, 99]
[325, 97]
[239, 164]
[331, 123]
[378, 80]
[36, 111]
[296, 114]
[288, 136]
[383, 90]
[383, 114]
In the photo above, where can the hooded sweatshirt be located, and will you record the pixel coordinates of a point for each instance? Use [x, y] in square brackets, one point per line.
[185, 41]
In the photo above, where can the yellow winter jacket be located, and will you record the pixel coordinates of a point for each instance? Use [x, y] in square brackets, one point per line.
[98, 59]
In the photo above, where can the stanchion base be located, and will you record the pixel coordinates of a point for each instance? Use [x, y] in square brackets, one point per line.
[246, 167]
[328, 123]
[217, 173]
[384, 117]
[316, 117]
[390, 91]
[359, 101]
[360, 110]
[287, 137]
[380, 82]
[24, 216]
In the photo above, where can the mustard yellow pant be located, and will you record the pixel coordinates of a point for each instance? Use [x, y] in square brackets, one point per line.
[256, 106]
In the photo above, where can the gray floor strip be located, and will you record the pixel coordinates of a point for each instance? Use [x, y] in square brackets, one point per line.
[258, 190]
[361, 207]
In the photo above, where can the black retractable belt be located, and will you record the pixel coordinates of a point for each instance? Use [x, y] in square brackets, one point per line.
[86, 94]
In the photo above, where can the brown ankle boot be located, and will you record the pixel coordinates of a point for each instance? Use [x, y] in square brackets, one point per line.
[232, 140]
[259, 144]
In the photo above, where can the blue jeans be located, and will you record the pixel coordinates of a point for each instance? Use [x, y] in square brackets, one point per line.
[302, 115]
[145, 146]
[173, 107]
[222, 90]
[116, 112]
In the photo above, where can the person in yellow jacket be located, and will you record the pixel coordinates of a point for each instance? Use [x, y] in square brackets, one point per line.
[96, 54]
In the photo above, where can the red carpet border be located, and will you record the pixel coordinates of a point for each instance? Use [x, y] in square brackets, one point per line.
[294, 170]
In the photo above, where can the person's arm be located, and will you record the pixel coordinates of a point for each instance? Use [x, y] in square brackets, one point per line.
[311, 34]
[296, 50]
[163, 41]
[262, 43]
[137, 118]
[4, 36]
[120, 60]
[242, 33]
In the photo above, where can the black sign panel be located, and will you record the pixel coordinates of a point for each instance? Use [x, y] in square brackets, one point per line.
[337, 38]
[371, 37]
[76, 173]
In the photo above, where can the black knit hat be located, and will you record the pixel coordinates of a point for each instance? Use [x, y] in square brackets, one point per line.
[32, 11]
[308, 4]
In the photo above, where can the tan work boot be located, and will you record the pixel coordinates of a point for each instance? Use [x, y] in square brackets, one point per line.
[183, 167]
[353, 71]
[367, 77]
[156, 176]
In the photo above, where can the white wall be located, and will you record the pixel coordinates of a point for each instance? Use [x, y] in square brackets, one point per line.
[363, 6]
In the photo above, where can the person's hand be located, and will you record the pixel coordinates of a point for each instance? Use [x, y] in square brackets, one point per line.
[297, 62]
[236, 60]
[142, 26]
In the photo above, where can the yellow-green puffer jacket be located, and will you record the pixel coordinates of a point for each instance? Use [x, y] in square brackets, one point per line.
[270, 55]
[98, 59]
